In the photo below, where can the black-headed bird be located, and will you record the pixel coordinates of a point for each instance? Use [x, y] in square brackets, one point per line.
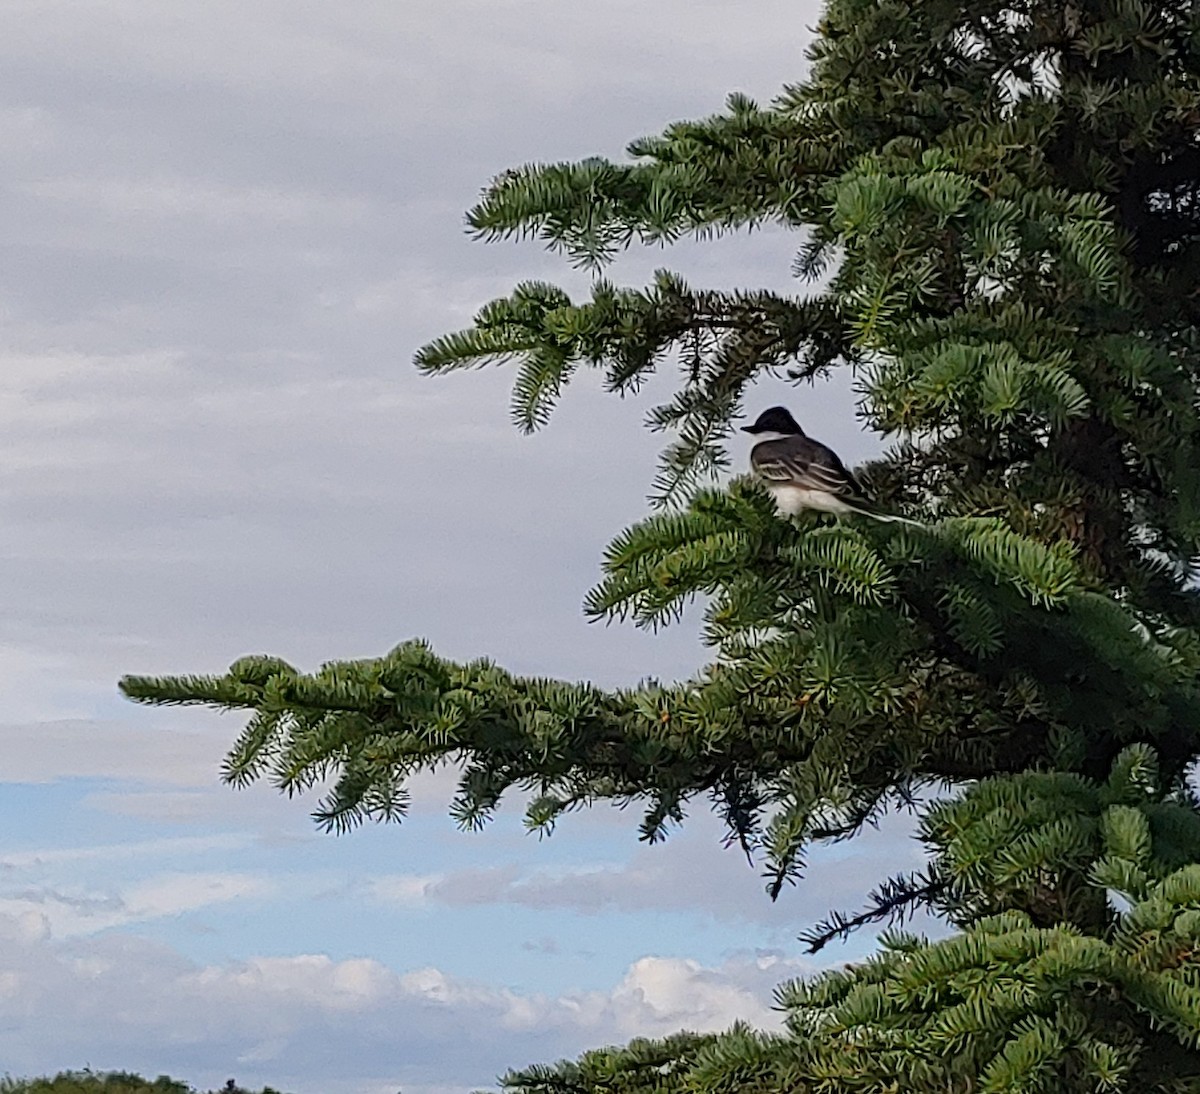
[800, 473]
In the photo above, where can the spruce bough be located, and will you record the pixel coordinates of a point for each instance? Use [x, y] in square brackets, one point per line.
[999, 211]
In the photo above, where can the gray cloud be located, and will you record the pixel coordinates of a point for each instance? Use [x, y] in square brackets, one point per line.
[232, 228]
[691, 874]
[39, 752]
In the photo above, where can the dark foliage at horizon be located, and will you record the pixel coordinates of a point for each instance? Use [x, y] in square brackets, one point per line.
[111, 1082]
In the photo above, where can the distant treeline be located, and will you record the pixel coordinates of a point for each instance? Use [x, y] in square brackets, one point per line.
[112, 1082]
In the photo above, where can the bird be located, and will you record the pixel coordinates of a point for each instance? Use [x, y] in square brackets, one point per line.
[802, 473]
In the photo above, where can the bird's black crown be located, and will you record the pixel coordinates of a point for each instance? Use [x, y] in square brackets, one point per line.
[776, 420]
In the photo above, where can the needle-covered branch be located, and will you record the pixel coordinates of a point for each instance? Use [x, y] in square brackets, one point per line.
[719, 341]
[1005, 1005]
[852, 662]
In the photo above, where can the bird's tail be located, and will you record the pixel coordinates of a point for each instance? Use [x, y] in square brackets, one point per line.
[866, 510]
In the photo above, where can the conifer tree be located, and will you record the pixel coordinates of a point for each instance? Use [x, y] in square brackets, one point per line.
[997, 207]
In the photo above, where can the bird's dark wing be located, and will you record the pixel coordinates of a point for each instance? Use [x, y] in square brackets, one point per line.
[803, 462]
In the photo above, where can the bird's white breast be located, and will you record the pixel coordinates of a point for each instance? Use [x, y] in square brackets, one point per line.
[791, 500]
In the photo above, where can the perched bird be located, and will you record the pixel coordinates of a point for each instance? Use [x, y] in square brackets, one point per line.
[801, 473]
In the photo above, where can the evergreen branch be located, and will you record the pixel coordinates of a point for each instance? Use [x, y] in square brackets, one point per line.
[724, 341]
[894, 901]
[593, 208]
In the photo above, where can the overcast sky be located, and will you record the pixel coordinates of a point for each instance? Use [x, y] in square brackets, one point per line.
[226, 227]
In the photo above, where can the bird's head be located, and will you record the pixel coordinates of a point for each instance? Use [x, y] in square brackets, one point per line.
[774, 423]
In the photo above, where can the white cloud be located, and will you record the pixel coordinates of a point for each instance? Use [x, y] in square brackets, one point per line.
[314, 1025]
[172, 894]
[667, 994]
[409, 890]
[306, 980]
[67, 912]
[23, 860]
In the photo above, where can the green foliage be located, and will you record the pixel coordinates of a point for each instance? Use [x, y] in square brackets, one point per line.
[641, 1065]
[720, 340]
[1000, 210]
[109, 1082]
[1003, 1006]
[90, 1082]
[848, 672]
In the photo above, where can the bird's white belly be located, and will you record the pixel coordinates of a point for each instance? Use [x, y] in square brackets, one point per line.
[791, 500]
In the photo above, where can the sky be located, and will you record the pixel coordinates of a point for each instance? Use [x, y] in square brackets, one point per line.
[226, 228]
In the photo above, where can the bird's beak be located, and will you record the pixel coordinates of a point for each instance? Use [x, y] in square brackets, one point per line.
[747, 429]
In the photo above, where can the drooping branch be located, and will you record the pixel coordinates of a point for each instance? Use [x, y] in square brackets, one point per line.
[720, 341]
[893, 902]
